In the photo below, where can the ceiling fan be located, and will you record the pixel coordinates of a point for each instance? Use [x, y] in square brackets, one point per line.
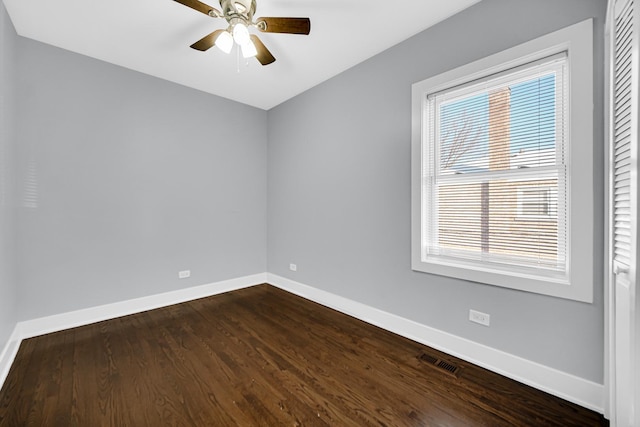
[239, 15]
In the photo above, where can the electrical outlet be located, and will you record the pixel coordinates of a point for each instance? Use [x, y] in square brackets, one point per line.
[481, 318]
[184, 274]
[293, 267]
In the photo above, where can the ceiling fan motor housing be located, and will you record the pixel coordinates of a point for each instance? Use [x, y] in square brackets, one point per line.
[234, 10]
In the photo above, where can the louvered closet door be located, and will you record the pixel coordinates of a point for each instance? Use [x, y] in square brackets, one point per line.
[623, 208]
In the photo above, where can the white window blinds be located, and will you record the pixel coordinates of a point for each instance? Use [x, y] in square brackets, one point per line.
[495, 172]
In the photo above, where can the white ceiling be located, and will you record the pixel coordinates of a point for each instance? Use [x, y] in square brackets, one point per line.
[153, 37]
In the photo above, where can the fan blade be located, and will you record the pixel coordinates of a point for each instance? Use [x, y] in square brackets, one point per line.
[284, 25]
[201, 7]
[264, 56]
[207, 41]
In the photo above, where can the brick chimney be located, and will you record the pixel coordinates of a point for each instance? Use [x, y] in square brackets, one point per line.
[492, 196]
[499, 118]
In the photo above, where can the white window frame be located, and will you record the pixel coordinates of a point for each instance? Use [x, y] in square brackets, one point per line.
[522, 215]
[577, 282]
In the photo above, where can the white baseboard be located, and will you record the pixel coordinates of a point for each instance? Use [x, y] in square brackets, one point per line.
[8, 354]
[58, 322]
[566, 386]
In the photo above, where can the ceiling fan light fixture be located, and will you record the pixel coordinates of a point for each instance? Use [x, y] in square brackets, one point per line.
[241, 34]
[224, 42]
[239, 15]
[249, 50]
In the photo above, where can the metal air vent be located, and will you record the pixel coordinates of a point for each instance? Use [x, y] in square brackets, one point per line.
[440, 364]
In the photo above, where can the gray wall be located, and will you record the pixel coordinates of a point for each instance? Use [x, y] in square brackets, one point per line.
[124, 180]
[339, 190]
[8, 295]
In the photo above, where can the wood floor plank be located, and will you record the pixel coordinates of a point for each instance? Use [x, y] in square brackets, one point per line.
[16, 406]
[335, 364]
[256, 365]
[325, 370]
[259, 357]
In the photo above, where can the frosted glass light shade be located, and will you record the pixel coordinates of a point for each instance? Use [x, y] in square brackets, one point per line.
[241, 34]
[224, 42]
[249, 50]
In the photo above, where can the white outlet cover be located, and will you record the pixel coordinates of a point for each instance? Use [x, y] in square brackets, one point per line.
[184, 274]
[478, 317]
[293, 267]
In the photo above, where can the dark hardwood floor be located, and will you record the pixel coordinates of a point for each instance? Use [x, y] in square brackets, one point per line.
[259, 357]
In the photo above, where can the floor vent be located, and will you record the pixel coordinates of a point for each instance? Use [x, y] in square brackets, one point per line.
[428, 358]
[440, 364]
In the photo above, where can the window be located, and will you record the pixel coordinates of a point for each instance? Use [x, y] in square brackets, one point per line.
[502, 168]
[537, 203]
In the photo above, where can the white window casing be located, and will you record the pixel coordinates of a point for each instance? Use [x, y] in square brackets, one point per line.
[536, 203]
[546, 188]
